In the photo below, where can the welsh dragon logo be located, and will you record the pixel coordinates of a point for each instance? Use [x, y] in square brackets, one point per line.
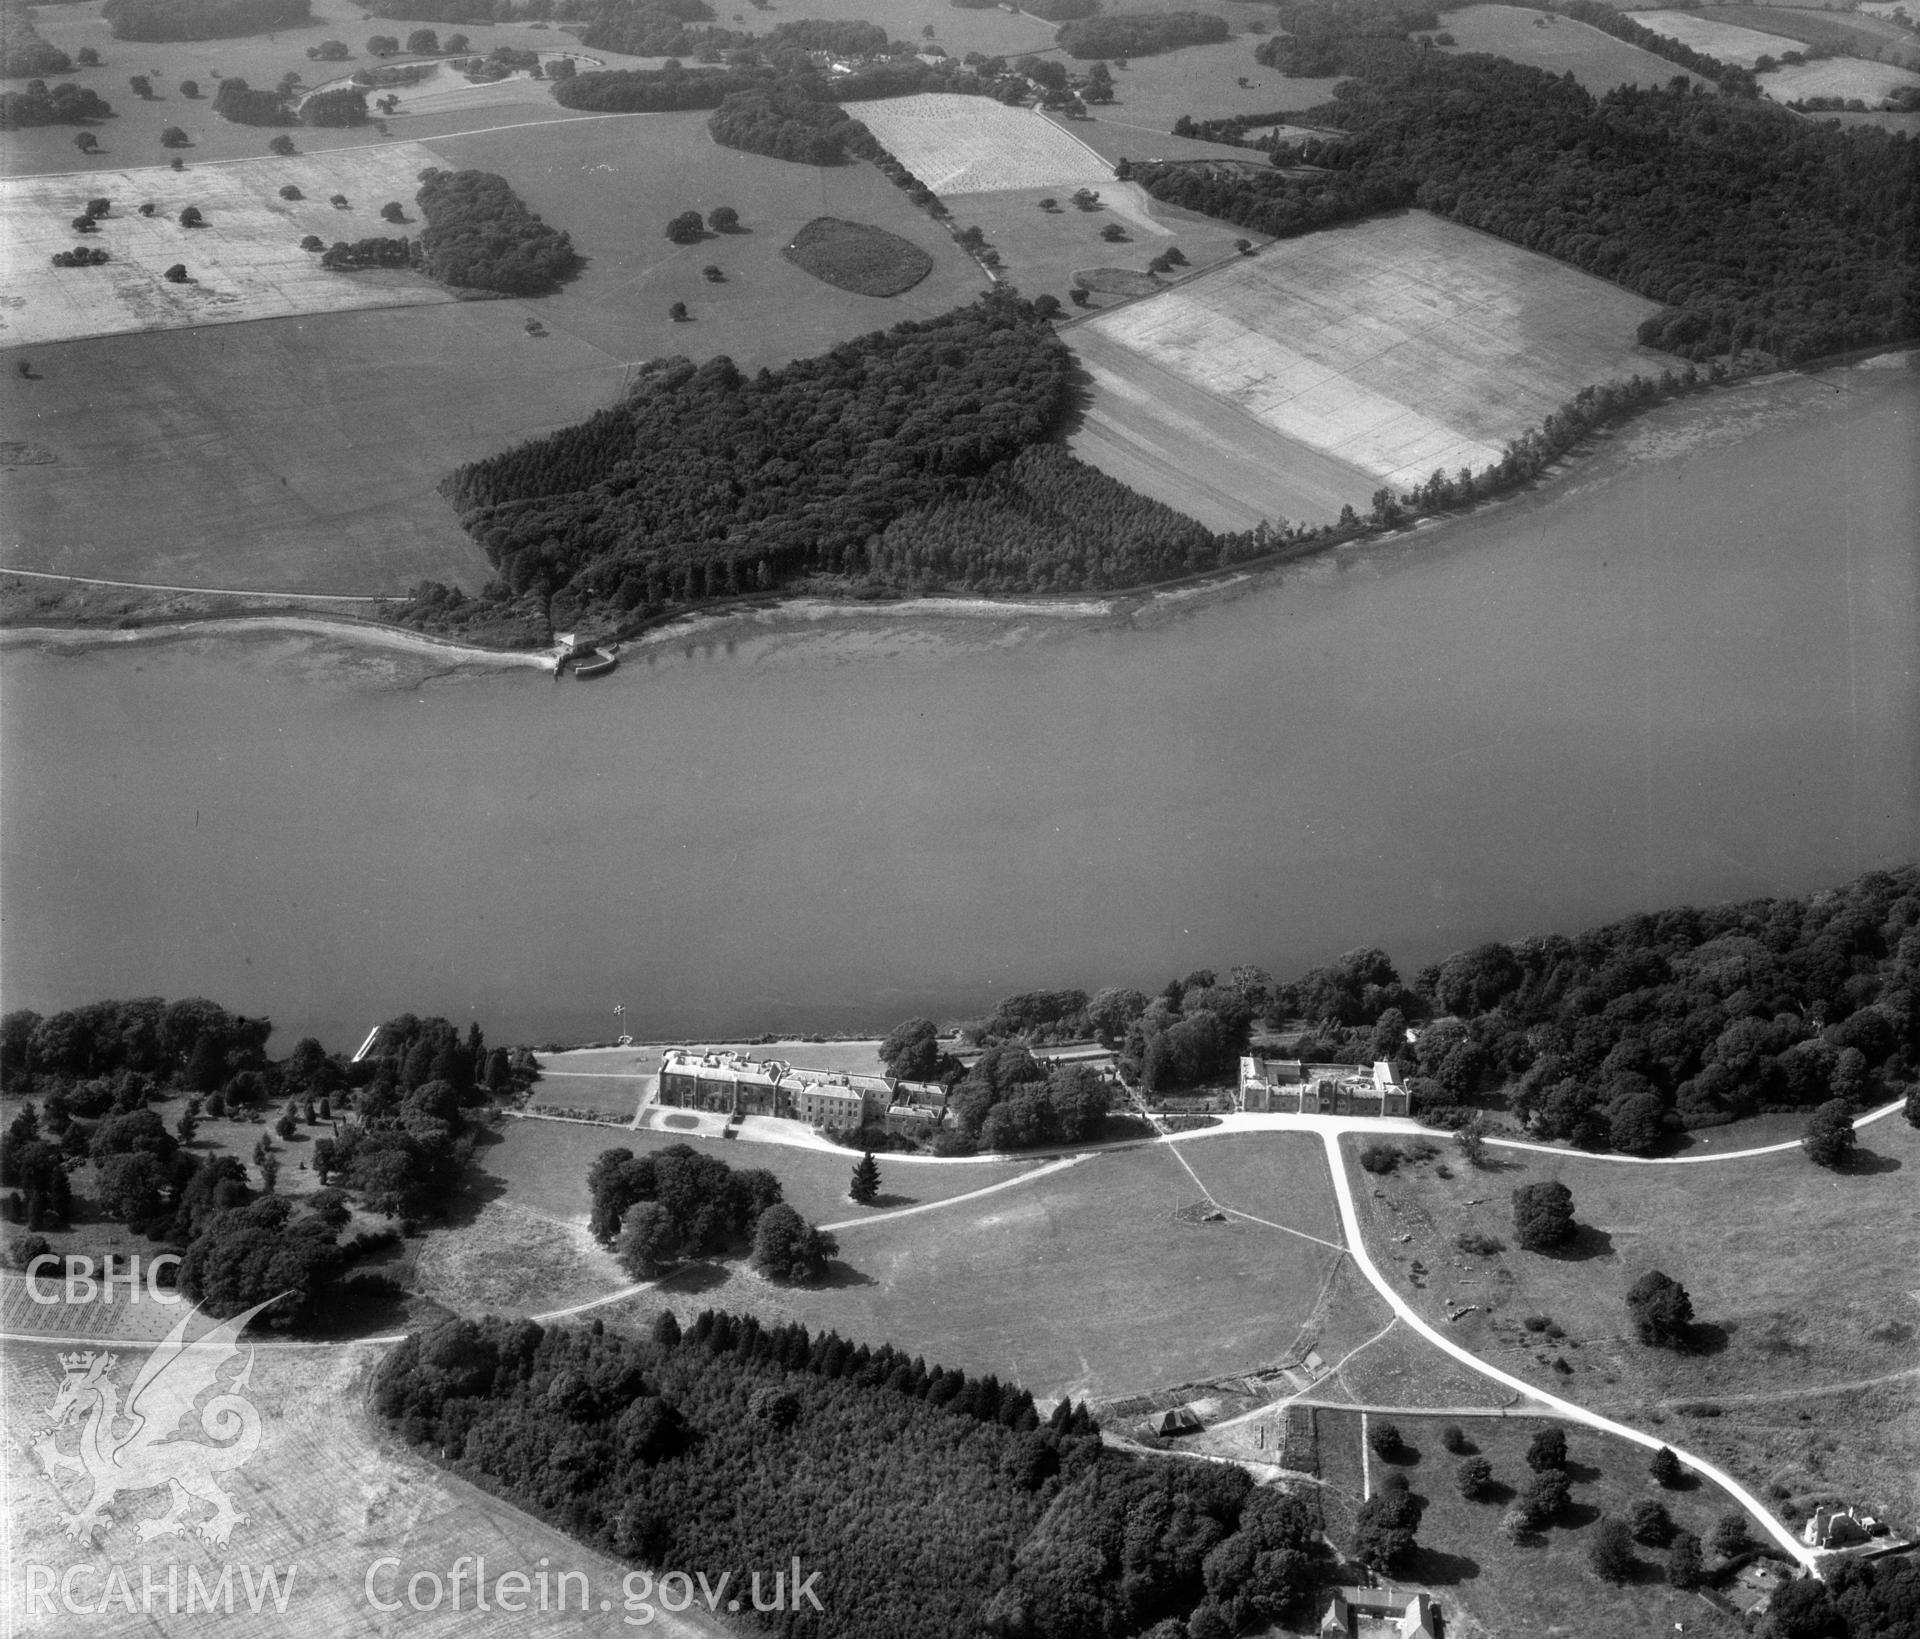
[131, 1447]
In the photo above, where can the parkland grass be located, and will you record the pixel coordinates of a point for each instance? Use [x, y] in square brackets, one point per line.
[1543, 1585]
[1849, 77]
[1801, 1282]
[1731, 43]
[1396, 346]
[856, 256]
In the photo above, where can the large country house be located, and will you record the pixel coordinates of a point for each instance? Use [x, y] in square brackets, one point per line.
[1290, 1087]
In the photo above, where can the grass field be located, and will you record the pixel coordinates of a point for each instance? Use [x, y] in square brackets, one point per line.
[1150, 93]
[963, 145]
[542, 1165]
[1846, 77]
[1845, 33]
[1558, 44]
[1396, 346]
[1543, 1587]
[326, 1493]
[1802, 1281]
[856, 256]
[1731, 43]
[245, 263]
[1083, 1281]
[296, 455]
[614, 185]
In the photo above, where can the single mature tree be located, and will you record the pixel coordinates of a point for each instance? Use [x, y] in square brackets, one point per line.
[1454, 1438]
[678, 312]
[142, 86]
[686, 228]
[392, 211]
[723, 219]
[912, 1050]
[457, 43]
[1543, 1215]
[282, 145]
[1543, 1497]
[1610, 1550]
[1685, 1566]
[1829, 1137]
[1650, 1523]
[189, 88]
[423, 42]
[1665, 1469]
[190, 217]
[865, 1188]
[649, 1244]
[87, 57]
[1047, 305]
[1547, 1450]
[291, 192]
[130, 1186]
[383, 45]
[1383, 1434]
[1383, 1538]
[1474, 1477]
[1113, 233]
[173, 137]
[86, 142]
[1662, 1312]
[712, 274]
[1730, 1536]
[788, 1248]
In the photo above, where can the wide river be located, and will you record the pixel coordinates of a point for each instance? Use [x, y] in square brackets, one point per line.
[1685, 671]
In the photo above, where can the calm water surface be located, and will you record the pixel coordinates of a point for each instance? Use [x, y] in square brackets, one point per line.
[1686, 673]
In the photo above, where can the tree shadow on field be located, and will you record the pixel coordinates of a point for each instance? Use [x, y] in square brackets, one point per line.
[841, 1274]
[695, 1277]
[1442, 1569]
[1079, 396]
[1581, 1473]
[887, 1201]
[1574, 1515]
[1868, 1163]
[1707, 1337]
[1587, 1244]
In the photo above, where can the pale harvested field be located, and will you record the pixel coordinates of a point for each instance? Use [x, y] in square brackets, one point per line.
[962, 145]
[246, 263]
[1397, 346]
[1742, 47]
[1208, 458]
[1559, 45]
[327, 1493]
[1849, 77]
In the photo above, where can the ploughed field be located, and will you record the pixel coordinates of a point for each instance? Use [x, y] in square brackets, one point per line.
[1559, 45]
[1386, 349]
[244, 262]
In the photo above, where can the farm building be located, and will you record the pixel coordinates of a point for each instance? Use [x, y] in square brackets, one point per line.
[1380, 1613]
[1290, 1087]
[1178, 1420]
[1838, 1528]
[734, 1084]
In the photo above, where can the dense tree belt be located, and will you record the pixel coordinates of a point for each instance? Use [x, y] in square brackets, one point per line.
[347, 106]
[1141, 34]
[201, 19]
[239, 102]
[480, 236]
[930, 1502]
[706, 481]
[1754, 227]
[65, 104]
[781, 121]
[1327, 37]
[345, 257]
[22, 51]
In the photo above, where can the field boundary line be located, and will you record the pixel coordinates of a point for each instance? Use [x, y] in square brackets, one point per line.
[1363, 1259]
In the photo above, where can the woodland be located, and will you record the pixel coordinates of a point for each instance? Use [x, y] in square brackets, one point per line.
[929, 1501]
